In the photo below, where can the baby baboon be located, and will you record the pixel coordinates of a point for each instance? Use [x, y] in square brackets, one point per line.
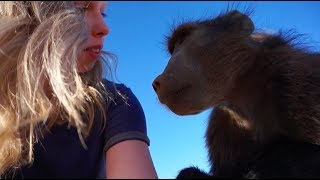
[264, 91]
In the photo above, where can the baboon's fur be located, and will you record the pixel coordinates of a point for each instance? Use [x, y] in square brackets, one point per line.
[265, 91]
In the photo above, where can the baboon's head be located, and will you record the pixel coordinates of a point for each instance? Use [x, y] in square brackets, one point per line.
[206, 57]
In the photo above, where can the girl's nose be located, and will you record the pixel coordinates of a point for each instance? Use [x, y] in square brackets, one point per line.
[101, 29]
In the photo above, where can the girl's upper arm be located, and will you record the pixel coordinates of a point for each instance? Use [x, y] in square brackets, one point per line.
[126, 139]
[130, 159]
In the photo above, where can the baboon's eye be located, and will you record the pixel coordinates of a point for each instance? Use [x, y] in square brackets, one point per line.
[177, 44]
[179, 36]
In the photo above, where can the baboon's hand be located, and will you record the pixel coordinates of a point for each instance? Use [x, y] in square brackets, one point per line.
[192, 173]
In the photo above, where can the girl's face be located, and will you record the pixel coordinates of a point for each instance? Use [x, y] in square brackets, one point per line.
[98, 29]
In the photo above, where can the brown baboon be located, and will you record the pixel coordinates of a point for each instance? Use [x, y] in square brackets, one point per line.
[264, 90]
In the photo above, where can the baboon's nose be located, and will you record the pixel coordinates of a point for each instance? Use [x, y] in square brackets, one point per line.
[157, 83]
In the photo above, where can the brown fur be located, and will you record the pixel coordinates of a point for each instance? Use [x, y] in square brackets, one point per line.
[263, 89]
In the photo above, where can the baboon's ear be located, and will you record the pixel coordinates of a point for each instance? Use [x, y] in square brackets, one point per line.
[241, 22]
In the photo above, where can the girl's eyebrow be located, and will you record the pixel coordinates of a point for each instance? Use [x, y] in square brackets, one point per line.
[104, 6]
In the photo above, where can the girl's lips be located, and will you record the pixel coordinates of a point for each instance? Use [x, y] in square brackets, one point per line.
[93, 51]
[92, 54]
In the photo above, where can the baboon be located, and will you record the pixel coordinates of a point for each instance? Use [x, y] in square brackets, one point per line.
[264, 91]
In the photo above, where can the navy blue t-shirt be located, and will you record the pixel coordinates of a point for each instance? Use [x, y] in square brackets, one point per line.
[60, 153]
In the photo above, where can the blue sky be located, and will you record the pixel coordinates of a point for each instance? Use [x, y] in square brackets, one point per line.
[137, 31]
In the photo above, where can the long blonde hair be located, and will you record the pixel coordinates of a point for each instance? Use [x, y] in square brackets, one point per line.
[40, 42]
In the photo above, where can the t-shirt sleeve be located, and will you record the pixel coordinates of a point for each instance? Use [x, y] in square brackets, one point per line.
[125, 119]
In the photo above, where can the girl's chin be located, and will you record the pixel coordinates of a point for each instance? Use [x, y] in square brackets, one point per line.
[87, 68]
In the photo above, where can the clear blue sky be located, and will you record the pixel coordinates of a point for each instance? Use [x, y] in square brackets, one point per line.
[137, 30]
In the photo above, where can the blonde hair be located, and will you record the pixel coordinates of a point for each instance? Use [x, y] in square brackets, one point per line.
[40, 42]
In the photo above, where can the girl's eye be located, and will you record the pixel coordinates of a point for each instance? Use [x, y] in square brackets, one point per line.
[82, 8]
[104, 14]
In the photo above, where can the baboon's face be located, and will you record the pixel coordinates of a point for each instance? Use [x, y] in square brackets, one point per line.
[198, 74]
